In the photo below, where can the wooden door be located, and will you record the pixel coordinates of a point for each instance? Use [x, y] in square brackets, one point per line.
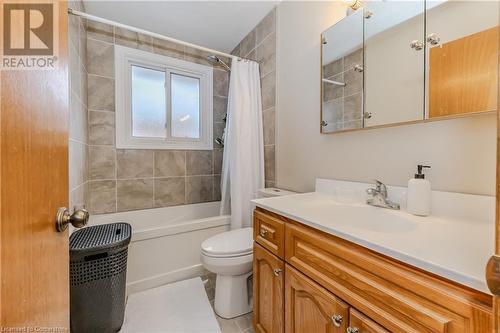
[34, 183]
[309, 308]
[463, 75]
[359, 323]
[268, 280]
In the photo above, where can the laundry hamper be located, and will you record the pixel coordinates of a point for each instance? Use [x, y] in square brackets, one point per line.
[98, 268]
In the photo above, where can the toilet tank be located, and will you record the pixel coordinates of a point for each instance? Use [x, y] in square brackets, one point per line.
[273, 192]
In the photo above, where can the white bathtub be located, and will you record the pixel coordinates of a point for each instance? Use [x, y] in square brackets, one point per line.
[165, 244]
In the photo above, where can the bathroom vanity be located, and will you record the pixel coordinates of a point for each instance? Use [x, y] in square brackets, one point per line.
[323, 265]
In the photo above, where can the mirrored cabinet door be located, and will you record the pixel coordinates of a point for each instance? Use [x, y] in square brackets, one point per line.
[462, 57]
[342, 75]
[394, 62]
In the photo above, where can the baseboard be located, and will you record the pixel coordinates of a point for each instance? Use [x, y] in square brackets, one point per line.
[169, 277]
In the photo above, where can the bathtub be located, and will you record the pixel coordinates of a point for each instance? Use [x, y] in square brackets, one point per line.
[165, 245]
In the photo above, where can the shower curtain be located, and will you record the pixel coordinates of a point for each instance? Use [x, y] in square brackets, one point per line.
[243, 159]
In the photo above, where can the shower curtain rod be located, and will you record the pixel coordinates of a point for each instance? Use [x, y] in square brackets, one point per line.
[149, 33]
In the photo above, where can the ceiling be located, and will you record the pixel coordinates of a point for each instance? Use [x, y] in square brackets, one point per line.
[219, 25]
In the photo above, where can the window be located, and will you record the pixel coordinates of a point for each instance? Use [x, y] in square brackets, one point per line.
[162, 102]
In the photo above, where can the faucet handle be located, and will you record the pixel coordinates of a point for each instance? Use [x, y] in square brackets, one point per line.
[381, 187]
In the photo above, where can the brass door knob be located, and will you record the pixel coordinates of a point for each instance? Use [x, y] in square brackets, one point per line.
[78, 219]
[263, 233]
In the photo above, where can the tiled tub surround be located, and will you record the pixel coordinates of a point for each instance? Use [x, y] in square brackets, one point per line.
[260, 45]
[127, 179]
[343, 106]
[78, 134]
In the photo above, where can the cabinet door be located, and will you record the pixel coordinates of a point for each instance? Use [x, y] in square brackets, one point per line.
[267, 291]
[309, 308]
[359, 323]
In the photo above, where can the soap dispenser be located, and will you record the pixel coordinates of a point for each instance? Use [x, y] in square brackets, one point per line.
[418, 199]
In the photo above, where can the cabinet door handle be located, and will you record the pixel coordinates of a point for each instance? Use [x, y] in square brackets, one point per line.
[352, 330]
[263, 233]
[277, 271]
[417, 46]
[337, 320]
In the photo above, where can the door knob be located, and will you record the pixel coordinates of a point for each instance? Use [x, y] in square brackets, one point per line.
[277, 271]
[433, 39]
[78, 219]
[263, 233]
[416, 45]
[337, 320]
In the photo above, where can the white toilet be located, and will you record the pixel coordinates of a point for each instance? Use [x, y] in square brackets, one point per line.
[230, 256]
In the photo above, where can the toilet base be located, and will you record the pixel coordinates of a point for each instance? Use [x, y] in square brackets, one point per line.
[232, 295]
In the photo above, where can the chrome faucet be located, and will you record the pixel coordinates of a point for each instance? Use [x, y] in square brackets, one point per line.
[378, 197]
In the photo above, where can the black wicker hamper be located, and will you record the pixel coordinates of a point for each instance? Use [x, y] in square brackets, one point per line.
[98, 268]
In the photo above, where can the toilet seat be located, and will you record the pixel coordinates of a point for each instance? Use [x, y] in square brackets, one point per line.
[229, 244]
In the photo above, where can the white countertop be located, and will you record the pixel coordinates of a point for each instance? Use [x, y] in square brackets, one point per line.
[454, 248]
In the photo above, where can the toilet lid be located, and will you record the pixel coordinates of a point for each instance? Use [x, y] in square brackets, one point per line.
[230, 243]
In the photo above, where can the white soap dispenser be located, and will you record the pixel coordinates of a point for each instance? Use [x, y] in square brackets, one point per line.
[418, 199]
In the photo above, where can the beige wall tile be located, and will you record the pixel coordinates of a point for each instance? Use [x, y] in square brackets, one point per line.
[168, 49]
[101, 128]
[220, 108]
[199, 162]
[218, 131]
[217, 188]
[101, 93]
[126, 37]
[134, 163]
[353, 81]
[266, 27]
[265, 54]
[199, 189]
[247, 44]
[270, 164]
[100, 58]
[221, 82]
[102, 196]
[100, 31]
[144, 42]
[169, 163]
[134, 194]
[102, 162]
[268, 84]
[218, 153]
[170, 191]
[268, 117]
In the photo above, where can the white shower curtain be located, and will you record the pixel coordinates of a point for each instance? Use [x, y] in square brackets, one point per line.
[243, 161]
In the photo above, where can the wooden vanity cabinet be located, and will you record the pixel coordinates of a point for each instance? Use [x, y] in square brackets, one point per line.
[268, 282]
[327, 284]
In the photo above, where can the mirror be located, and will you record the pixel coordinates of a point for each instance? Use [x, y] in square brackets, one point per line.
[400, 62]
[394, 76]
[342, 75]
[462, 57]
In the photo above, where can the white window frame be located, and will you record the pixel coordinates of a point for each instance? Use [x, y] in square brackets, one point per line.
[125, 57]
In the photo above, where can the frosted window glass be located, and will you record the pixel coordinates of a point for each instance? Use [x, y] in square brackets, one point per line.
[185, 106]
[149, 112]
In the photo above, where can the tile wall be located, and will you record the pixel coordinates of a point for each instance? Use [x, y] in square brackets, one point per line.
[78, 134]
[260, 45]
[342, 106]
[130, 179]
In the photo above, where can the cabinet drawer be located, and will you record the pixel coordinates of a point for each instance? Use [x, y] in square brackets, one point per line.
[397, 296]
[269, 231]
[358, 322]
[310, 307]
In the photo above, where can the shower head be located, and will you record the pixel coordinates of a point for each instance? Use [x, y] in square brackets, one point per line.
[215, 60]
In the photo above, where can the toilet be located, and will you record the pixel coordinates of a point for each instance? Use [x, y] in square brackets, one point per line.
[230, 256]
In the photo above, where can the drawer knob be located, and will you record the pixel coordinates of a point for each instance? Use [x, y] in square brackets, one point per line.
[337, 320]
[352, 330]
[277, 271]
[263, 233]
